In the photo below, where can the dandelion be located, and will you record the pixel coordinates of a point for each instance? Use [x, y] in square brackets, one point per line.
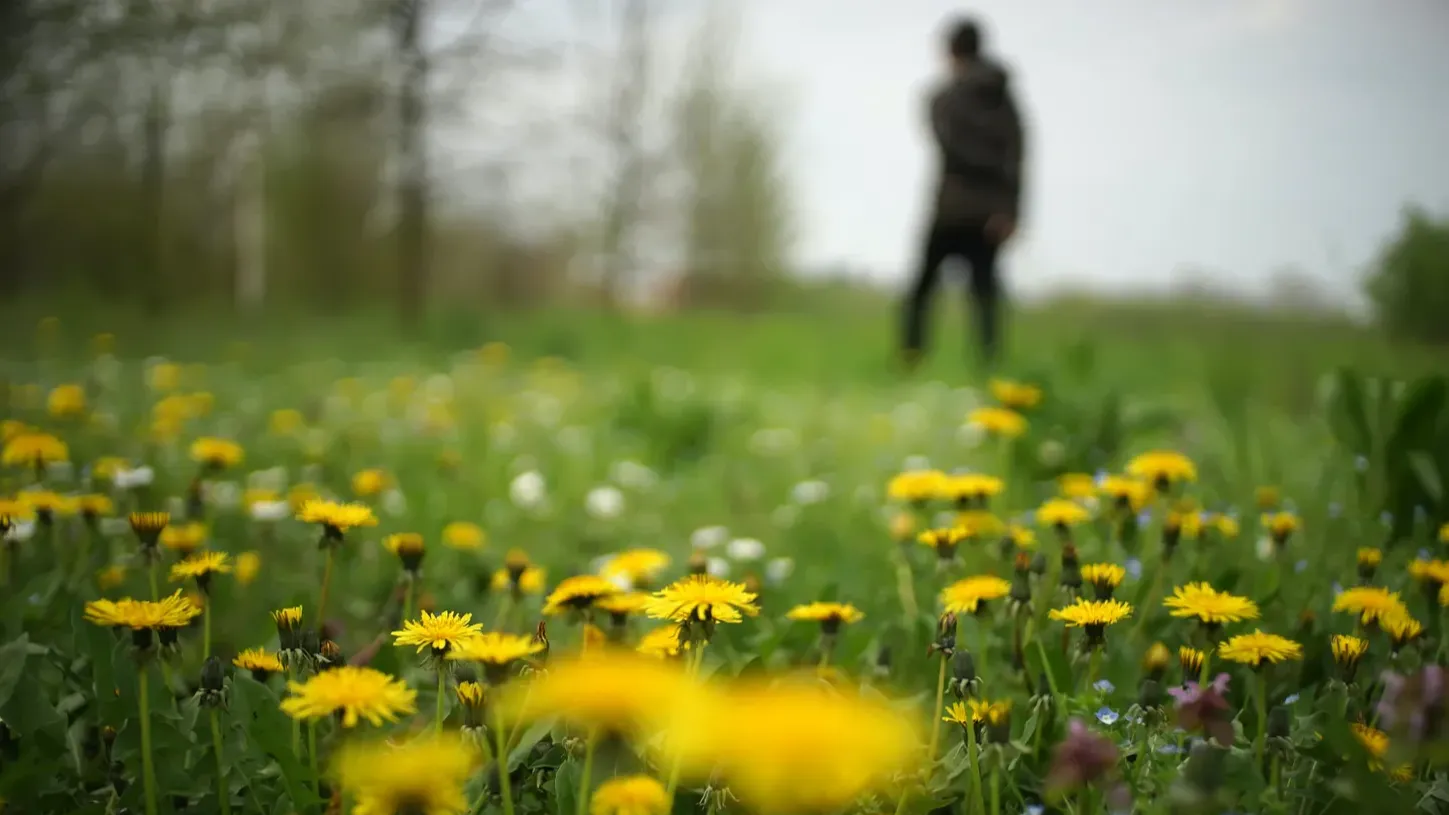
[95, 506]
[66, 402]
[464, 536]
[247, 566]
[47, 505]
[664, 641]
[702, 600]
[1155, 661]
[1162, 468]
[1368, 562]
[1347, 652]
[1093, 616]
[1376, 743]
[370, 483]
[216, 454]
[1076, 486]
[201, 568]
[355, 693]
[944, 540]
[289, 625]
[1104, 578]
[519, 576]
[997, 421]
[144, 617]
[1402, 629]
[1258, 647]
[260, 663]
[620, 605]
[1015, 395]
[577, 593]
[185, 538]
[968, 596]
[1209, 606]
[917, 486]
[409, 549]
[1370, 603]
[110, 577]
[611, 692]
[440, 633]
[496, 652]
[33, 449]
[1280, 527]
[425, 775]
[472, 697]
[635, 567]
[1061, 514]
[630, 795]
[970, 490]
[336, 519]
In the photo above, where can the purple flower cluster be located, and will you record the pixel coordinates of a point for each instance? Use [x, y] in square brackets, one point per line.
[1412, 707]
[1086, 758]
[1205, 708]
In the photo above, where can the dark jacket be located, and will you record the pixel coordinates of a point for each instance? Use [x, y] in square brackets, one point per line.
[979, 133]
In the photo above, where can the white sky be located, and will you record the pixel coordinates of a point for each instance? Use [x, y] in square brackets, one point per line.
[1232, 135]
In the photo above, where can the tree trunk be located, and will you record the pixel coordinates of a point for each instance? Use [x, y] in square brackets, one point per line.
[412, 225]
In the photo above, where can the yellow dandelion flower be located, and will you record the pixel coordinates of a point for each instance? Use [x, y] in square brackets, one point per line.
[149, 525]
[66, 402]
[33, 449]
[1210, 606]
[1126, 493]
[702, 598]
[998, 421]
[247, 566]
[1434, 571]
[440, 632]
[464, 536]
[528, 580]
[216, 453]
[1281, 525]
[336, 518]
[496, 648]
[623, 603]
[185, 538]
[967, 596]
[830, 615]
[1020, 536]
[630, 795]
[637, 566]
[95, 505]
[1162, 467]
[1401, 628]
[976, 525]
[944, 540]
[1347, 650]
[917, 486]
[109, 577]
[370, 483]
[1376, 742]
[356, 693]
[1015, 395]
[577, 593]
[1224, 525]
[971, 487]
[1444, 533]
[424, 775]
[1256, 648]
[48, 504]
[1092, 614]
[613, 691]
[1103, 576]
[259, 662]
[664, 641]
[169, 612]
[765, 738]
[1076, 486]
[1156, 659]
[1371, 603]
[1369, 557]
[201, 567]
[408, 547]
[1061, 513]
[1190, 660]
[959, 713]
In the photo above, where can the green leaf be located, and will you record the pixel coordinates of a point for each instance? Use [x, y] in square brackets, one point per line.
[255, 708]
[1348, 413]
[1427, 473]
[12, 665]
[566, 786]
[530, 737]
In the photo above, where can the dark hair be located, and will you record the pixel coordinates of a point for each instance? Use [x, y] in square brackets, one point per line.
[964, 39]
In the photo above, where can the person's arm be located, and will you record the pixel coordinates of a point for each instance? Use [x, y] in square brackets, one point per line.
[1014, 169]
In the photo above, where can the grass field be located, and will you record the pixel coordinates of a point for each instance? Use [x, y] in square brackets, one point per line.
[525, 453]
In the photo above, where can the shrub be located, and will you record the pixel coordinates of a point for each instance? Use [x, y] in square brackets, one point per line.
[1409, 285]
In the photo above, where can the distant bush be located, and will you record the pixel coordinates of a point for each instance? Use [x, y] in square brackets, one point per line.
[1409, 285]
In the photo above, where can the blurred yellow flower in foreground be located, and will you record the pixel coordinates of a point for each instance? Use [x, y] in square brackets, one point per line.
[425, 775]
[66, 401]
[630, 795]
[614, 691]
[33, 449]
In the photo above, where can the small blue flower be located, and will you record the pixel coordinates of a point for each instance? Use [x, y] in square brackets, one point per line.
[1300, 565]
[1107, 716]
[1144, 517]
[1290, 699]
[1420, 514]
[1134, 568]
[1104, 686]
[1035, 809]
[1028, 518]
[1335, 509]
[1386, 518]
[1101, 476]
[1425, 554]
[1168, 749]
[1360, 463]
[1337, 587]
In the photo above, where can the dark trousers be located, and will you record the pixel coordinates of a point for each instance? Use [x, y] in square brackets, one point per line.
[970, 245]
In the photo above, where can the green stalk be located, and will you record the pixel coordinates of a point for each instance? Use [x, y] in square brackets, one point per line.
[1094, 663]
[206, 629]
[296, 723]
[995, 791]
[586, 779]
[442, 689]
[148, 768]
[312, 753]
[223, 794]
[972, 756]
[407, 608]
[500, 757]
[1261, 741]
[151, 575]
[326, 584]
[936, 717]
[695, 660]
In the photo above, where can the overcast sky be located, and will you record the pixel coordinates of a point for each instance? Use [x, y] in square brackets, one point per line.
[1237, 136]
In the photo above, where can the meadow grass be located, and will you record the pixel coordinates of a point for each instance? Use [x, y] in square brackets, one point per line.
[762, 450]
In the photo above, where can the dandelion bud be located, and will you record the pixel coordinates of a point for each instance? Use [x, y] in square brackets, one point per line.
[108, 735]
[1278, 722]
[289, 625]
[408, 546]
[1205, 765]
[1368, 564]
[1155, 662]
[963, 674]
[1191, 660]
[883, 661]
[1071, 569]
[213, 675]
[472, 697]
[1038, 564]
[945, 635]
[331, 654]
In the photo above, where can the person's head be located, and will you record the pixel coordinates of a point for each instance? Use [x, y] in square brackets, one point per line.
[963, 42]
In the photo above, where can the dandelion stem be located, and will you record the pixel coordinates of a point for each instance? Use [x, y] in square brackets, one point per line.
[906, 586]
[407, 606]
[151, 576]
[586, 778]
[995, 791]
[1046, 668]
[148, 768]
[695, 659]
[1094, 662]
[500, 758]
[326, 584]
[222, 791]
[312, 753]
[973, 756]
[936, 712]
[1260, 742]
[296, 723]
[206, 629]
[442, 690]
[501, 614]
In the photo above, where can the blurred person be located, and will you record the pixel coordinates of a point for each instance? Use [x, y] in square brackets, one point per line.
[978, 132]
